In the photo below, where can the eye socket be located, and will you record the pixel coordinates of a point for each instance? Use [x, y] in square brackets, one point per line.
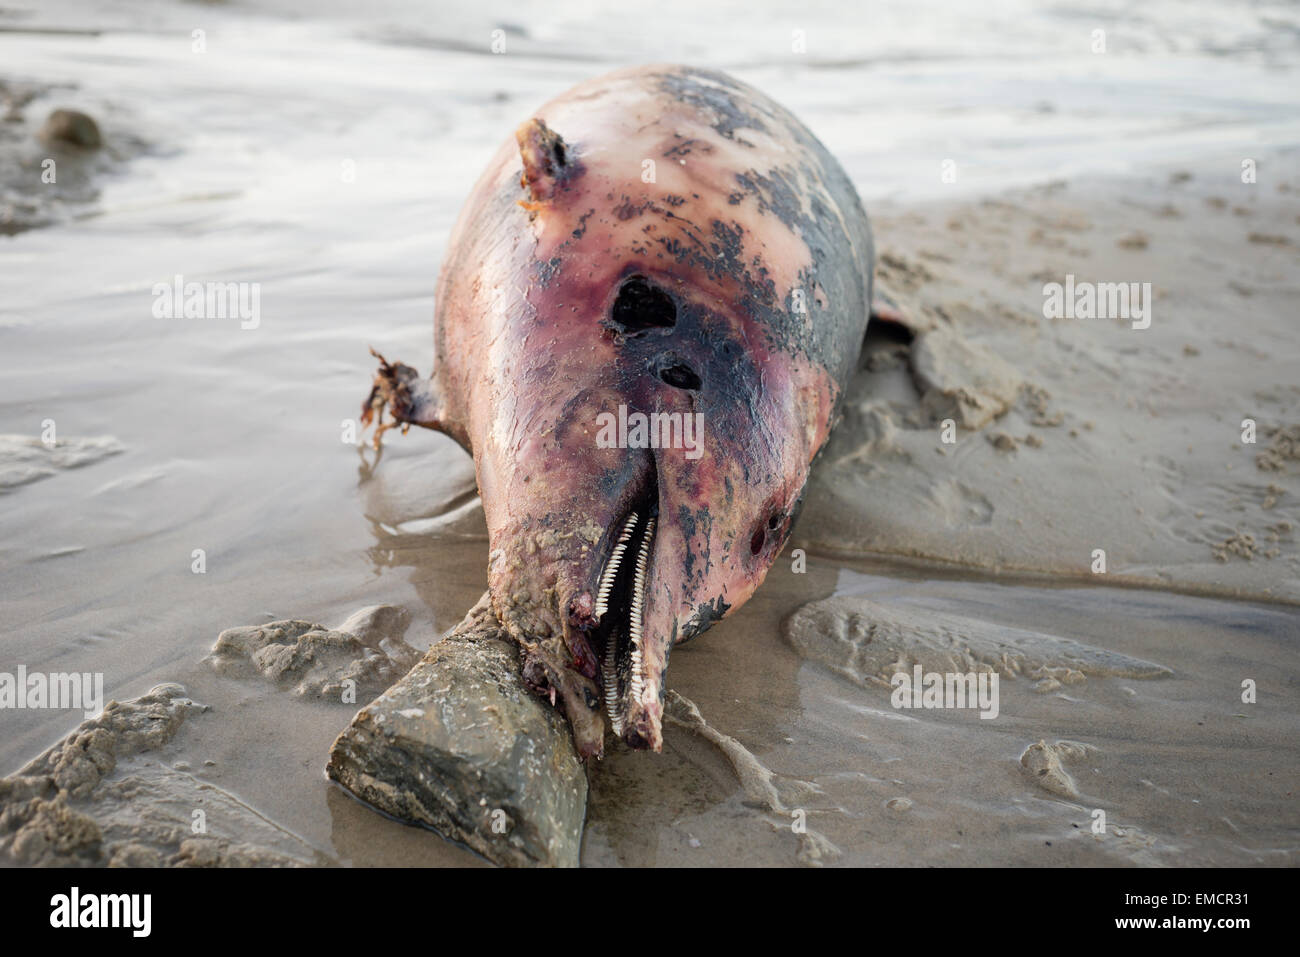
[640, 305]
[774, 522]
[756, 543]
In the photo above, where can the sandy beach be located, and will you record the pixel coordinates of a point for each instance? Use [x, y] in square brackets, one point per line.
[1102, 511]
[1170, 447]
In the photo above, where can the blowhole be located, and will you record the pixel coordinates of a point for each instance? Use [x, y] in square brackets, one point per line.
[679, 375]
[640, 305]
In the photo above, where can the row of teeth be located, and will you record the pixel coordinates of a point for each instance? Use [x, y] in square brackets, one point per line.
[611, 570]
[638, 607]
[611, 685]
[636, 616]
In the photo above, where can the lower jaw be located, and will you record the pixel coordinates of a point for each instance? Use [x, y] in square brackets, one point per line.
[622, 686]
[642, 731]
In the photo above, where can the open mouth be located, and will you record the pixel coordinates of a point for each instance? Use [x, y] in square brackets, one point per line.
[619, 637]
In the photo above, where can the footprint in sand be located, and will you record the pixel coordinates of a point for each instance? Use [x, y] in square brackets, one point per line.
[1045, 765]
[869, 642]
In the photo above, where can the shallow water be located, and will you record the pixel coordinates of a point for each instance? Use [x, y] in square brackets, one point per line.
[1185, 773]
[324, 156]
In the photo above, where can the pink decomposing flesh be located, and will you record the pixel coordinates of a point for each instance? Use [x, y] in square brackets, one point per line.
[665, 240]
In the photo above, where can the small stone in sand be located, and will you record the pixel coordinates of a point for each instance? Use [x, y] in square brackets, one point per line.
[71, 128]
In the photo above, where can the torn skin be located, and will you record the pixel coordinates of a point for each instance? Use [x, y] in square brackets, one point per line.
[399, 390]
[734, 284]
[410, 400]
[547, 164]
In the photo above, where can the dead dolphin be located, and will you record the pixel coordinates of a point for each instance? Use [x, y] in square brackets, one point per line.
[658, 250]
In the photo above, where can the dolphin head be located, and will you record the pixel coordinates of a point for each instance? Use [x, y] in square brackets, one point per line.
[642, 351]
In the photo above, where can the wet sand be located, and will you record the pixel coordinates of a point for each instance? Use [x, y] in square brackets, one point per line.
[183, 435]
[1077, 434]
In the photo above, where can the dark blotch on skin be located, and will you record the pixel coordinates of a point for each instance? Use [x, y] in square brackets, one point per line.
[547, 271]
[627, 210]
[582, 224]
[717, 95]
[642, 306]
[695, 522]
[685, 147]
[705, 617]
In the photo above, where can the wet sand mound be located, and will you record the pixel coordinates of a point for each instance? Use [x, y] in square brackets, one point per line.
[982, 433]
[351, 663]
[101, 796]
